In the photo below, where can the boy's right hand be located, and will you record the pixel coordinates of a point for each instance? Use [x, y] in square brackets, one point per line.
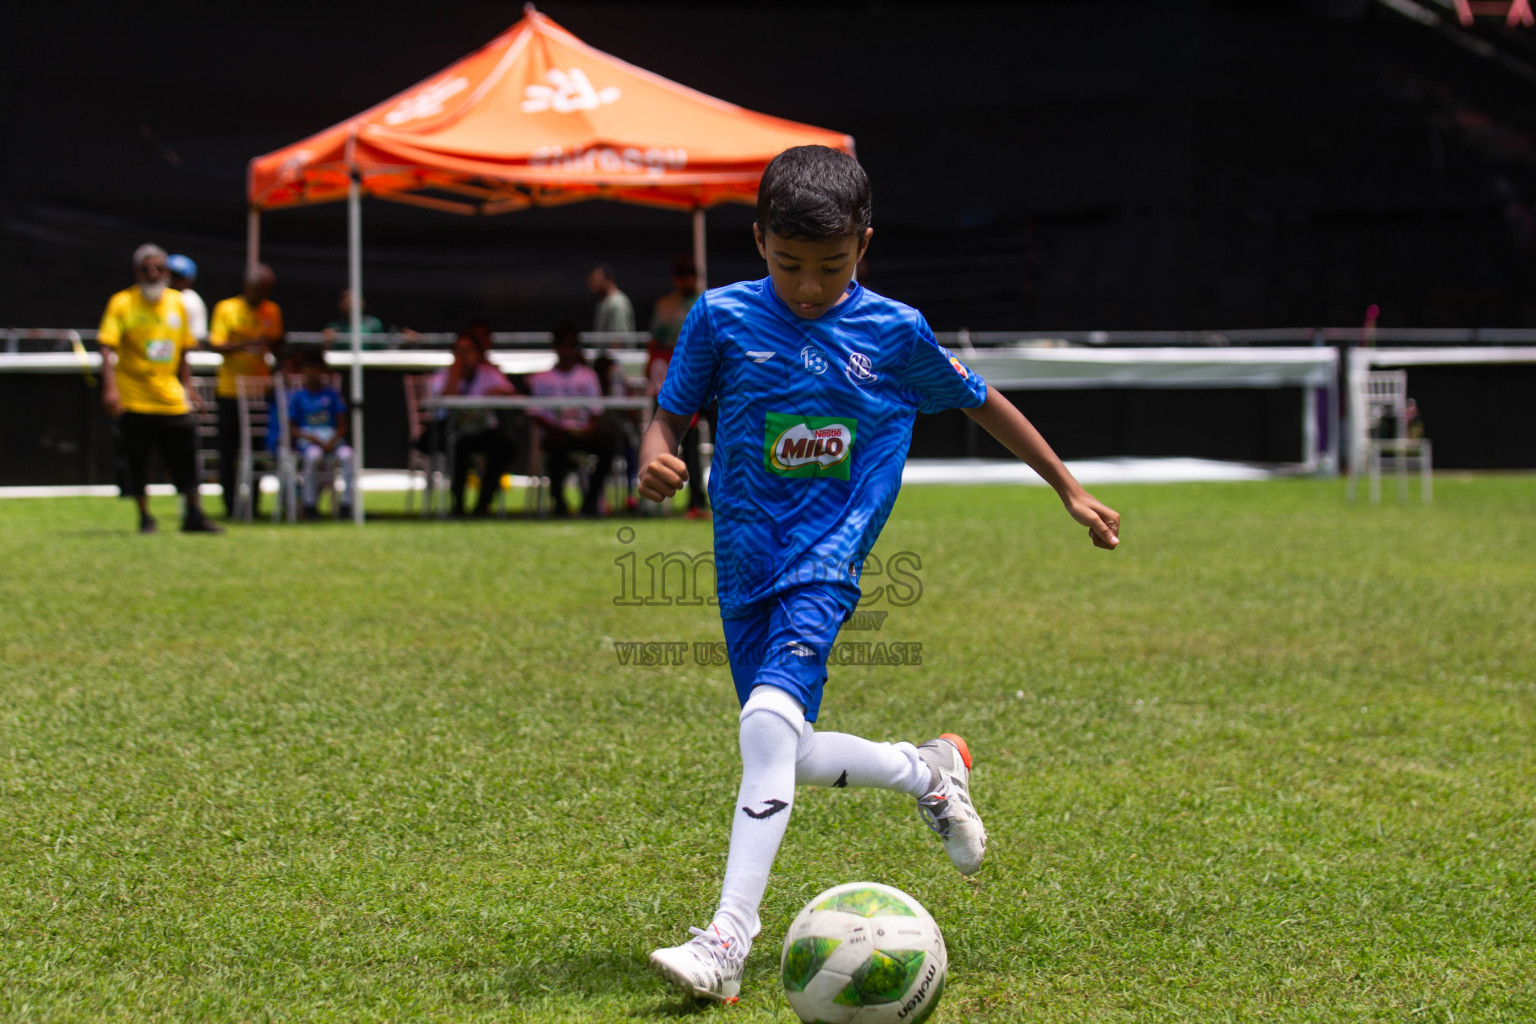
[662, 477]
[1102, 521]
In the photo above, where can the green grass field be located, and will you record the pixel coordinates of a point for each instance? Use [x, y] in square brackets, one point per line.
[1272, 760]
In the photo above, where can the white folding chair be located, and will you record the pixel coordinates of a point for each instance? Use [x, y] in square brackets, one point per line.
[434, 467]
[205, 419]
[254, 398]
[1382, 437]
[536, 493]
[287, 459]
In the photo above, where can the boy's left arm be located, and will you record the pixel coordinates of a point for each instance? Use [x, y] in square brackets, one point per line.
[1003, 420]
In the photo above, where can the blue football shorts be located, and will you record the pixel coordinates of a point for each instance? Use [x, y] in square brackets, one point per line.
[785, 642]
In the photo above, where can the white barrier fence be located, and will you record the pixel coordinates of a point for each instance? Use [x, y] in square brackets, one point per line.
[1313, 369]
[61, 338]
[1011, 361]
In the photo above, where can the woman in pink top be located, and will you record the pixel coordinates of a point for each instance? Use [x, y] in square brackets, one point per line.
[476, 431]
[576, 427]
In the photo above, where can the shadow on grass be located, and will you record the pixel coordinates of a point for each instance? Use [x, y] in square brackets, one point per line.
[612, 973]
[680, 1006]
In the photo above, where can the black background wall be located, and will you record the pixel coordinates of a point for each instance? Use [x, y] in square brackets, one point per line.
[1130, 164]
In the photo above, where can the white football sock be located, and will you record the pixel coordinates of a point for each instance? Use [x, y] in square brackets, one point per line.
[838, 759]
[770, 731]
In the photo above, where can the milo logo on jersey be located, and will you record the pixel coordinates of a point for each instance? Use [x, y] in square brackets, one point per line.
[819, 446]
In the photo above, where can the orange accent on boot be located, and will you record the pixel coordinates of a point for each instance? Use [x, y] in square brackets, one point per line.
[965, 751]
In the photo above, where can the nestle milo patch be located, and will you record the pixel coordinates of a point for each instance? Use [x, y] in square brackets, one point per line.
[808, 446]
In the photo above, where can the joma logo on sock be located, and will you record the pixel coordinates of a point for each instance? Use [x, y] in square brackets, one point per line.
[773, 807]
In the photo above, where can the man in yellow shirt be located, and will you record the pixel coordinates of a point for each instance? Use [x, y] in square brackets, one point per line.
[246, 330]
[146, 383]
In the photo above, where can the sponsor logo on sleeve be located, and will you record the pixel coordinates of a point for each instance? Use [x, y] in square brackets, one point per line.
[957, 364]
[809, 446]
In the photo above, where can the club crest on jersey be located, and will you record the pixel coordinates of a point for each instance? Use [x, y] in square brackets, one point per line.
[861, 369]
[808, 446]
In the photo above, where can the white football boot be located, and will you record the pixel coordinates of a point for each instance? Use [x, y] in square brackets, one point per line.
[947, 808]
[709, 965]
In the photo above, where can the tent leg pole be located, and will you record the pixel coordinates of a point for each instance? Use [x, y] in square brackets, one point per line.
[355, 315]
[1309, 453]
[252, 239]
[698, 246]
[1334, 441]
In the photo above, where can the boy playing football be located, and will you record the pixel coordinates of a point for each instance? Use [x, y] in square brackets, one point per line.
[818, 381]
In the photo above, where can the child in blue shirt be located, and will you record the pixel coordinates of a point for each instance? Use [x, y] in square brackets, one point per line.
[818, 381]
[317, 422]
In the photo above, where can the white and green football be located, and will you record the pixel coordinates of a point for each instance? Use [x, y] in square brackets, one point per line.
[864, 953]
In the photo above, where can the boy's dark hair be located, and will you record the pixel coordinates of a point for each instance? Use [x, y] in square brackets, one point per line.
[812, 193]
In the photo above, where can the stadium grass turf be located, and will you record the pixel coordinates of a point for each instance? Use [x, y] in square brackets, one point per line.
[1272, 760]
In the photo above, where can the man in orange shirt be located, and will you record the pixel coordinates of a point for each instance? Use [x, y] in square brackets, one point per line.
[245, 330]
[145, 384]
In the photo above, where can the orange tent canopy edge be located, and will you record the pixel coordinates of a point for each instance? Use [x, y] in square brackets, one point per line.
[537, 117]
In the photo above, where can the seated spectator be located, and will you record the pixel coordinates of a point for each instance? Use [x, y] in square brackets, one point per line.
[605, 367]
[573, 428]
[317, 421]
[476, 431]
[370, 327]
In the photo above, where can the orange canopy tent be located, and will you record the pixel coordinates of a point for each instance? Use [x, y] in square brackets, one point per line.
[536, 117]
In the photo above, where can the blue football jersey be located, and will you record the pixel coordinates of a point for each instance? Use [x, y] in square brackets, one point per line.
[313, 412]
[814, 423]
